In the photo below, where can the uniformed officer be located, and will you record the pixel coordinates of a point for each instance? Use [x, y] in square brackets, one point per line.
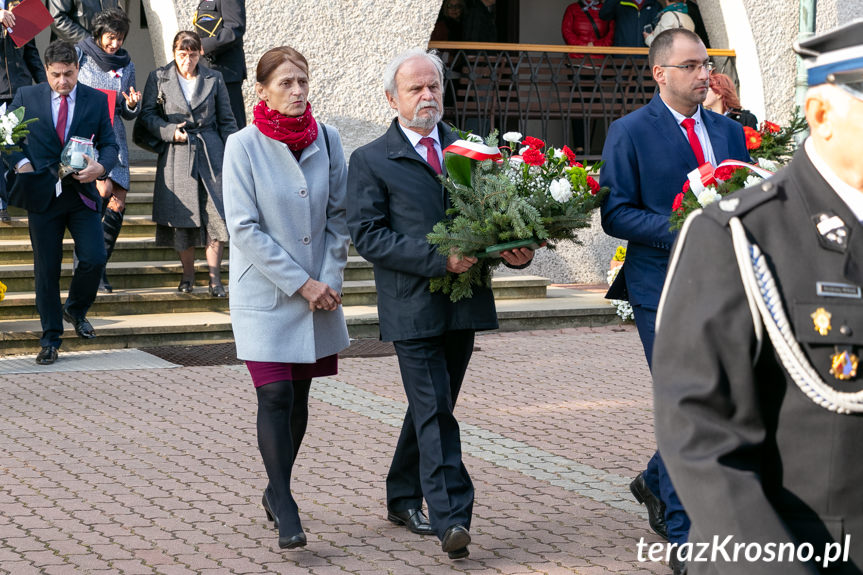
[757, 382]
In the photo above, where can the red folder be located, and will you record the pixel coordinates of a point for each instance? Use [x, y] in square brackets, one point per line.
[31, 17]
[112, 102]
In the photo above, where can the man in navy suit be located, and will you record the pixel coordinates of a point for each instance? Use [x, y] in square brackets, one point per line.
[647, 155]
[64, 109]
[394, 199]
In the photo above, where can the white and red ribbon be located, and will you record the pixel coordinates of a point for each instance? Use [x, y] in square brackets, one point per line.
[703, 175]
[473, 150]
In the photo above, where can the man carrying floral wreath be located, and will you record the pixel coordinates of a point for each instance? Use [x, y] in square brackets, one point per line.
[395, 197]
[647, 156]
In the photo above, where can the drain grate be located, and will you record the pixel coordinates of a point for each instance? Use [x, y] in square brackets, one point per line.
[226, 353]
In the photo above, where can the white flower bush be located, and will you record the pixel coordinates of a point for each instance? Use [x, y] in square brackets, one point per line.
[708, 196]
[560, 189]
[512, 137]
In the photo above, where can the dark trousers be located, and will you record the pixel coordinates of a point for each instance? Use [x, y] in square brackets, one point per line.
[46, 236]
[238, 106]
[656, 475]
[427, 461]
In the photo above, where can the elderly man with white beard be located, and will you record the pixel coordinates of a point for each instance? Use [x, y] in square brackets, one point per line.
[395, 197]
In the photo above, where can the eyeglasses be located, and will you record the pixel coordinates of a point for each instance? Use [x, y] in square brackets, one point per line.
[689, 68]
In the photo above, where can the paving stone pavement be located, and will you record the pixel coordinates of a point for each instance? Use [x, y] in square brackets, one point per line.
[157, 470]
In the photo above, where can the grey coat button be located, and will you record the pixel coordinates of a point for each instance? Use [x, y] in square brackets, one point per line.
[306, 240]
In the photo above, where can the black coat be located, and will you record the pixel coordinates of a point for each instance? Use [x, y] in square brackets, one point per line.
[73, 19]
[749, 453]
[394, 200]
[19, 67]
[224, 50]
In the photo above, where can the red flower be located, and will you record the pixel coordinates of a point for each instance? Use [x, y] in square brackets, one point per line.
[678, 199]
[685, 187]
[594, 185]
[753, 138]
[725, 173]
[578, 165]
[570, 155]
[533, 157]
[532, 142]
[770, 127]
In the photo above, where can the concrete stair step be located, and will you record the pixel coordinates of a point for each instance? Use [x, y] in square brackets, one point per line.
[570, 306]
[133, 226]
[21, 304]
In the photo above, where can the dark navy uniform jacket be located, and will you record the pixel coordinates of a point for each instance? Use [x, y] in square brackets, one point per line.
[749, 453]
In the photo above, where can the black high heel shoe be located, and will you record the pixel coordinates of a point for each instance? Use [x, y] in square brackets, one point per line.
[292, 542]
[217, 290]
[268, 508]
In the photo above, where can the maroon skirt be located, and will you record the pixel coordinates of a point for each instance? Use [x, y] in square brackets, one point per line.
[264, 372]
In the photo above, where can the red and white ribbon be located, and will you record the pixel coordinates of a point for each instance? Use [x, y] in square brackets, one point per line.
[473, 150]
[703, 175]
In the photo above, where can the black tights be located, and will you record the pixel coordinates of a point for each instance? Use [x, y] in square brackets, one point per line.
[283, 411]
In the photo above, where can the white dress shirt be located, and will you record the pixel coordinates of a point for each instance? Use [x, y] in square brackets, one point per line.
[55, 110]
[700, 131]
[415, 138]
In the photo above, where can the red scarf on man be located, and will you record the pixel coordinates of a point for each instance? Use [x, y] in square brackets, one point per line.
[297, 132]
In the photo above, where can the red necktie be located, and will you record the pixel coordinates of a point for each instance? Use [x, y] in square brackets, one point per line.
[61, 119]
[431, 154]
[694, 142]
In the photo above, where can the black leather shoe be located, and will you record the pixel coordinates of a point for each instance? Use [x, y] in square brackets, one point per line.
[455, 541]
[217, 290]
[82, 327]
[414, 519]
[458, 553]
[185, 287]
[292, 542]
[655, 507]
[268, 509]
[47, 355]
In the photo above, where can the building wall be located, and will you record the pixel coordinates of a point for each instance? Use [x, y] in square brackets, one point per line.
[348, 44]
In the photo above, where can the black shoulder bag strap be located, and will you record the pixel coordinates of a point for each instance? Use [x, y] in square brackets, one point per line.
[593, 23]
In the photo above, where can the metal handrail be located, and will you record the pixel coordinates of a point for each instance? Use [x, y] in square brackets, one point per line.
[562, 94]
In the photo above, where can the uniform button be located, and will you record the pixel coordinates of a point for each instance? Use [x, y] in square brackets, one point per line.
[303, 193]
[306, 240]
[845, 330]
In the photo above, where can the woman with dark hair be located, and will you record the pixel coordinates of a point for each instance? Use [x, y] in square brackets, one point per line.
[106, 65]
[722, 99]
[289, 246]
[186, 105]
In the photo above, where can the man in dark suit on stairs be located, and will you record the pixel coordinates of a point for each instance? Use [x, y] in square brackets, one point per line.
[64, 109]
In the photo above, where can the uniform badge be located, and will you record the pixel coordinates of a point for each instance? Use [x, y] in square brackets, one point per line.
[843, 365]
[832, 231]
[729, 205]
[821, 320]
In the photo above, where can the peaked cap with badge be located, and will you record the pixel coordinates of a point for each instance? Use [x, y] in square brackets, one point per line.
[758, 391]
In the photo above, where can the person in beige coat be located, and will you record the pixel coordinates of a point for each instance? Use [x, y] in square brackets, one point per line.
[284, 183]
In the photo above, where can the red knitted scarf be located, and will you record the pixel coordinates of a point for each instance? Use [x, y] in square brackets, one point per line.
[296, 132]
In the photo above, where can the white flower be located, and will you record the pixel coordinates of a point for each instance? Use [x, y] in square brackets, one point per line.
[768, 164]
[560, 190]
[473, 138]
[752, 180]
[523, 150]
[2, 109]
[512, 137]
[558, 153]
[707, 196]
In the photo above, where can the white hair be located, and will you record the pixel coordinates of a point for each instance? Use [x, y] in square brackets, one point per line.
[393, 67]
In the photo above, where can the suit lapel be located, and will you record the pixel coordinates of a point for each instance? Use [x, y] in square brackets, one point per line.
[718, 137]
[206, 83]
[81, 101]
[666, 126]
[44, 101]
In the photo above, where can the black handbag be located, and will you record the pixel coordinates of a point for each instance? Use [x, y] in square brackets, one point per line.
[142, 136]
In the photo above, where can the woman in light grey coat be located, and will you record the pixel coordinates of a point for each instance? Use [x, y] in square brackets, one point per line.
[186, 105]
[285, 180]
